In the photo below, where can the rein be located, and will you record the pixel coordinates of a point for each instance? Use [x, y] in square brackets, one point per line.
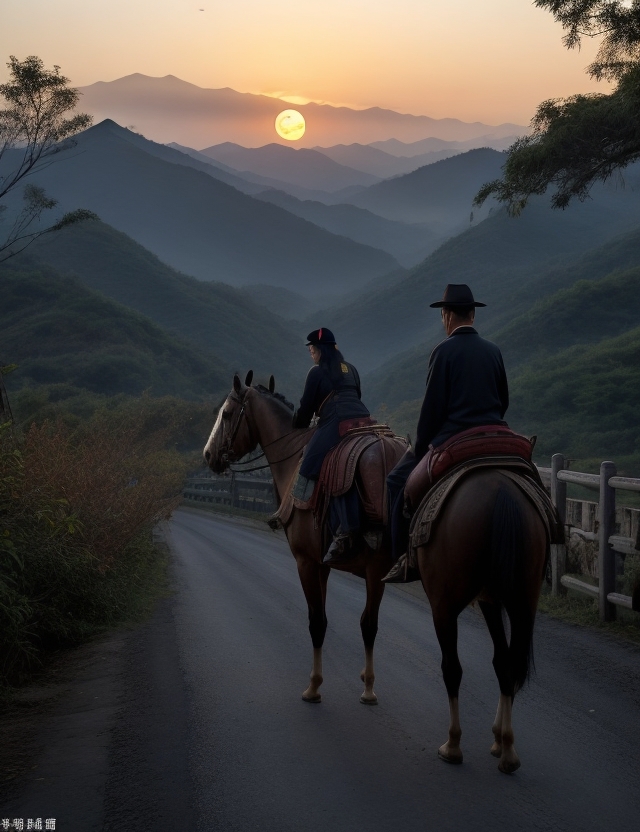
[232, 436]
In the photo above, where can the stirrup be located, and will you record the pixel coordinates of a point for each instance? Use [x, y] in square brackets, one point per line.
[344, 548]
[274, 522]
[402, 572]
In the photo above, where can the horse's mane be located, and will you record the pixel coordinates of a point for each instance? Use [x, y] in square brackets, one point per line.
[280, 396]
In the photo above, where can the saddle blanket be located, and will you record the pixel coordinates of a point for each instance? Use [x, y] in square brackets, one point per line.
[523, 474]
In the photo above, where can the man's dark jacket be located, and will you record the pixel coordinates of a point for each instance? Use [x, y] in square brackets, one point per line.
[466, 387]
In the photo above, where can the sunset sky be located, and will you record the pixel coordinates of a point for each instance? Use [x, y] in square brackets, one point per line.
[487, 60]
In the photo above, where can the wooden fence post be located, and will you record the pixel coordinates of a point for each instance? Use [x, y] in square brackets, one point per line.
[558, 552]
[606, 555]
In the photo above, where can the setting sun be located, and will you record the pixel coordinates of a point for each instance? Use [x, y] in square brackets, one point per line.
[290, 125]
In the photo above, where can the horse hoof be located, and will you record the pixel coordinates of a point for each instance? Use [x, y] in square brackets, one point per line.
[448, 755]
[509, 766]
[313, 699]
[496, 750]
[369, 700]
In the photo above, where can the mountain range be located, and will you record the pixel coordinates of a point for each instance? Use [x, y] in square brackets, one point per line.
[171, 110]
[509, 262]
[306, 168]
[199, 224]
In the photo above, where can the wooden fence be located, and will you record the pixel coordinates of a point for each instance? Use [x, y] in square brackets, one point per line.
[233, 491]
[615, 533]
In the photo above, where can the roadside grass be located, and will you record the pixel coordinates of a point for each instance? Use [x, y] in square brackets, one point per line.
[576, 609]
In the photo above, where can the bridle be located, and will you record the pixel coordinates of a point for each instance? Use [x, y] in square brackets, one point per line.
[227, 446]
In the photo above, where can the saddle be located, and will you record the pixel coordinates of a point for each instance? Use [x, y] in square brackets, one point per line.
[364, 456]
[481, 441]
[525, 476]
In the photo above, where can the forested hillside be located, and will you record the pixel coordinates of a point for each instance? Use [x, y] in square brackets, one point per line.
[214, 317]
[509, 263]
[61, 334]
[573, 362]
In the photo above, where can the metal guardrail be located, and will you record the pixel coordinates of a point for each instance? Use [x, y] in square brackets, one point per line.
[606, 482]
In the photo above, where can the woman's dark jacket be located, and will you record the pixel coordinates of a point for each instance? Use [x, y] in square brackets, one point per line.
[333, 403]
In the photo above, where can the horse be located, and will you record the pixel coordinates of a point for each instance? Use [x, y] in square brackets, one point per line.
[252, 416]
[490, 544]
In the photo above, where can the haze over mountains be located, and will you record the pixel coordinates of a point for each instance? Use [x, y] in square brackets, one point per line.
[307, 168]
[199, 224]
[229, 250]
[171, 110]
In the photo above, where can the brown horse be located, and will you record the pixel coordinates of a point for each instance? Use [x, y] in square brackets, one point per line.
[252, 416]
[489, 544]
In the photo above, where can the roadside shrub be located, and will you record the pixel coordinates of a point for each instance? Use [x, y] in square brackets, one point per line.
[76, 511]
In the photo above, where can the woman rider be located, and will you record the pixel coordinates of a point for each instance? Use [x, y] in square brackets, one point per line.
[332, 392]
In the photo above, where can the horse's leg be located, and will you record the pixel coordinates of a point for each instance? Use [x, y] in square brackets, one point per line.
[369, 628]
[313, 577]
[493, 616]
[446, 624]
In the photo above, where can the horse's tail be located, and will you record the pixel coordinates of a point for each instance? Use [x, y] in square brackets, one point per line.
[508, 581]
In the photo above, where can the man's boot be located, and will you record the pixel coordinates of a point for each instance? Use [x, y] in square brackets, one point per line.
[402, 572]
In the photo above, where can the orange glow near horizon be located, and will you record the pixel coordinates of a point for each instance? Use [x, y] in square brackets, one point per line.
[475, 60]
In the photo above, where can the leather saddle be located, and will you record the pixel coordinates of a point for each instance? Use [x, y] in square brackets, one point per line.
[474, 443]
[364, 457]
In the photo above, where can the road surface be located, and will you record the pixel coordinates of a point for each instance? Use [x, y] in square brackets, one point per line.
[209, 732]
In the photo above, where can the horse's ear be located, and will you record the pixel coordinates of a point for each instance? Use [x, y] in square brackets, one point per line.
[248, 379]
[237, 384]
[272, 384]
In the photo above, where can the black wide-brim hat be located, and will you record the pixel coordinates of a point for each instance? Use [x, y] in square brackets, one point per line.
[320, 336]
[457, 294]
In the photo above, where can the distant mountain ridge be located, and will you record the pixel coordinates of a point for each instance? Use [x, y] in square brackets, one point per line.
[440, 195]
[169, 109]
[306, 168]
[408, 243]
[199, 224]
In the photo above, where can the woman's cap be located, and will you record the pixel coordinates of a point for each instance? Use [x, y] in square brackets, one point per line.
[456, 294]
[320, 336]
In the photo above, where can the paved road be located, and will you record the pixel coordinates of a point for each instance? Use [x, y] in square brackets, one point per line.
[195, 722]
[261, 759]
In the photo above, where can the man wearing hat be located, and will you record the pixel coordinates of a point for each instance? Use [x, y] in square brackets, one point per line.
[466, 387]
[332, 393]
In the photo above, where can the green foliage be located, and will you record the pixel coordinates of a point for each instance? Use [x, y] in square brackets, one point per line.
[583, 139]
[214, 317]
[587, 312]
[574, 143]
[61, 333]
[583, 401]
[616, 21]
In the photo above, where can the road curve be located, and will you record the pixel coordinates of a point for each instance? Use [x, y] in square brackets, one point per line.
[261, 759]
